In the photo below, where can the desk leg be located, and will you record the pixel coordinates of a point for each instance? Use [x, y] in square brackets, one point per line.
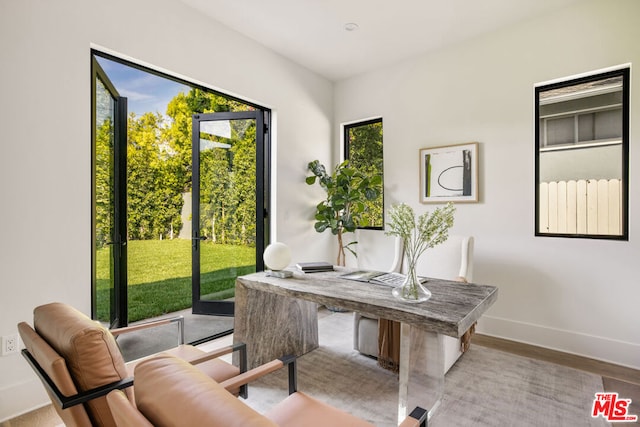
[421, 370]
[273, 326]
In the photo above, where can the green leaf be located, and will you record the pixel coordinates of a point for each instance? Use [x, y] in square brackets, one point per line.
[358, 207]
[342, 165]
[322, 206]
[349, 225]
[351, 250]
[348, 172]
[338, 205]
[311, 180]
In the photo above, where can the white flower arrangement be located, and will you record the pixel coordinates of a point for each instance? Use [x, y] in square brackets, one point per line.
[431, 229]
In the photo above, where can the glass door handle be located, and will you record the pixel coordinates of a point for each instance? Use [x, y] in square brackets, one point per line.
[116, 243]
[195, 240]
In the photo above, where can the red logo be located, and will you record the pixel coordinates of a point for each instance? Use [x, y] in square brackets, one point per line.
[612, 408]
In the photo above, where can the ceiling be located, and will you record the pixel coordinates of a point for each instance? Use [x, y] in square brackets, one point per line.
[312, 32]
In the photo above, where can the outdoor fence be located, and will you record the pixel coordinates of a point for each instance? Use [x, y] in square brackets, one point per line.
[586, 206]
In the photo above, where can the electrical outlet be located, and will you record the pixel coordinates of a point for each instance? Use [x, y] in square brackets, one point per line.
[10, 344]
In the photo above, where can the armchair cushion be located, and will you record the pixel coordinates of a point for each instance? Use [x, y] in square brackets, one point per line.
[170, 392]
[56, 368]
[214, 368]
[300, 409]
[124, 413]
[90, 351]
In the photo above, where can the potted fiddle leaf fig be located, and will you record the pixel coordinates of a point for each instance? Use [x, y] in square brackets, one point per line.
[343, 210]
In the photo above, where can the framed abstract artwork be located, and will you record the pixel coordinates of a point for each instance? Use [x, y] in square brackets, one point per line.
[449, 173]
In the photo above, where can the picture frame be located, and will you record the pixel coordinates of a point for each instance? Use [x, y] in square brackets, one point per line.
[449, 173]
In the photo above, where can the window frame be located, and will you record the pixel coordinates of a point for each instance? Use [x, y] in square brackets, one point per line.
[346, 127]
[624, 72]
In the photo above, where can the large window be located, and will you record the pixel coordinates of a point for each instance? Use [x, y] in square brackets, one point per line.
[582, 145]
[363, 149]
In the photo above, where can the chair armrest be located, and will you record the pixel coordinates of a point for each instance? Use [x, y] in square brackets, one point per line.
[417, 418]
[65, 402]
[252, 374]
[152, 324]
[214, 354]
[262, 370]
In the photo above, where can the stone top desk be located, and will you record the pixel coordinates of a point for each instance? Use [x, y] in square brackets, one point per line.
[276, 316]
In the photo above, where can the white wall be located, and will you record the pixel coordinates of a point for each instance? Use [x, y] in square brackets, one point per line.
[45, 157]
[576, 295]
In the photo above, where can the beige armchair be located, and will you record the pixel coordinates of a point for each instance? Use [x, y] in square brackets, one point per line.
[170, 392]
[79, 362]
[451, 260]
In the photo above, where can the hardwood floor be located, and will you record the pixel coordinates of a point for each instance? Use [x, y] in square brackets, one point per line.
[598, 367]
[619, 379]
[43, 417]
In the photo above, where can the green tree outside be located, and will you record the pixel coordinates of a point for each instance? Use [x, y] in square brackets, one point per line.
[159, 173]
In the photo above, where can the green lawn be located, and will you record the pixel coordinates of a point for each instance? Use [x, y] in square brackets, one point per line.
[160, 275]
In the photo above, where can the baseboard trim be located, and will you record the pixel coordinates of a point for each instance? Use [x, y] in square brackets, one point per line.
[589, 346]
[22, 398]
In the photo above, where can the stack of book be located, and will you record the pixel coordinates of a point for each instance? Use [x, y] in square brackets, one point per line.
[314, 267]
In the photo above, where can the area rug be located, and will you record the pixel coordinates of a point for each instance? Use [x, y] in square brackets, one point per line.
[485, 387]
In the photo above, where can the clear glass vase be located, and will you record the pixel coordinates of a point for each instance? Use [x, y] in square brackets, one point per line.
[411, 289]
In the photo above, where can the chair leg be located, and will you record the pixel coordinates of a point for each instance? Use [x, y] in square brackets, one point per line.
[242, 351]
[421, 415]
[293, 374]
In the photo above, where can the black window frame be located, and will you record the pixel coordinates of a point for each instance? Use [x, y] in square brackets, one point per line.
[345, 138]
[624, 73]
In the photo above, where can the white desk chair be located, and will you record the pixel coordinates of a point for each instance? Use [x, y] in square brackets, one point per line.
[451, 260]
